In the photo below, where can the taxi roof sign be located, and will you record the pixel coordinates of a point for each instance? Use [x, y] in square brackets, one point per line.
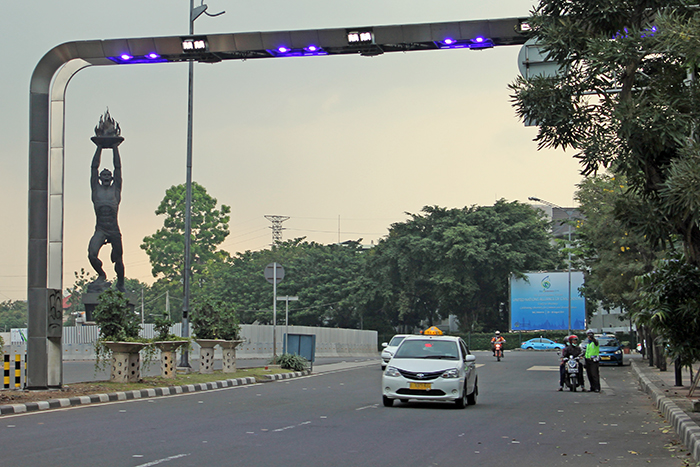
[433, 331]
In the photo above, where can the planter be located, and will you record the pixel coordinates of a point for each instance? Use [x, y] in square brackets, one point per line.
[206, 354]
[168, 352]
[228, 349]
[126, 361]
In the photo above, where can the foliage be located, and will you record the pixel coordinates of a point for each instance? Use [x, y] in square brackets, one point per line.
[13, 314]
[162, 328]
[114, 317]
[215, 319]
[324, 277]
[2, 344]
[209, 227]
[613, 254]
[292, 362]
[670, 299]
[457, 261]
[626, 98]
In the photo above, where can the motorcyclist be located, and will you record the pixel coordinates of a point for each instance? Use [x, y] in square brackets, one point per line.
[496, 338]
[571, 349]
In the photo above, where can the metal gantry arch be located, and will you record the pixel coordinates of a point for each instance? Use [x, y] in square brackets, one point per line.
[54, 71]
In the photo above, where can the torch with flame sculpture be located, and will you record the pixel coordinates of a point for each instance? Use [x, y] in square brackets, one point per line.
[107, 132]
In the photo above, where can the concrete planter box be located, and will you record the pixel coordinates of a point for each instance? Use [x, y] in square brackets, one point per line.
[126, 361]
[206, 354]
[168, 353]
[228, 349]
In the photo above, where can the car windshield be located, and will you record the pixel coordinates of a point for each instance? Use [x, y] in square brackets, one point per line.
[428, 348]
[396, 340]
[608, 342]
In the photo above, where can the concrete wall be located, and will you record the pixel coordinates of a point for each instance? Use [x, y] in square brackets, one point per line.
[78, 344]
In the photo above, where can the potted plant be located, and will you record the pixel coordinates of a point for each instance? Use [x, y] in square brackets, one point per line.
[168, 344]
[119, 336]
[214, 323]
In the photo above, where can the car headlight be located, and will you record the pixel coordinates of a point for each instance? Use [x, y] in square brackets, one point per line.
[453, 373]
[618, 352]
[392, 372]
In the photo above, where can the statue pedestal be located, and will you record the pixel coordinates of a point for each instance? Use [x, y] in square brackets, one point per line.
[91, 299]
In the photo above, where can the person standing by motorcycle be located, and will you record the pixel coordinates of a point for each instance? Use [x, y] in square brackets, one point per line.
[496, 338]
[592, 357]
[571, 349]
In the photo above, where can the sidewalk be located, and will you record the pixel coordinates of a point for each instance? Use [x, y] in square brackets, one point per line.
[671, 400]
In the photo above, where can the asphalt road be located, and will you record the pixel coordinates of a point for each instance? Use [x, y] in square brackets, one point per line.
[337, 419]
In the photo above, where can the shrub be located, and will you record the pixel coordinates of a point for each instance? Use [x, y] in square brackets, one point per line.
[215, 319]
[116, 320]
[292, 362]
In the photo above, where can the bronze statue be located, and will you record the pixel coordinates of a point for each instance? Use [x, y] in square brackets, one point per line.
[106, 196]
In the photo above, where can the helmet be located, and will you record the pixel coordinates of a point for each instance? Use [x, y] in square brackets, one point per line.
[573, 337]
[498, 333]
[590, 331]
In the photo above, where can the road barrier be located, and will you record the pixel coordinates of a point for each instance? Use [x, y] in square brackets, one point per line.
[20, 377]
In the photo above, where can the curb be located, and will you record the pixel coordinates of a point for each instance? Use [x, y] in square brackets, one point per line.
[13, 409]
[684, 426]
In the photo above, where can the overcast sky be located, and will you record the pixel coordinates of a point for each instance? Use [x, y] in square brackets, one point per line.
[343, 145]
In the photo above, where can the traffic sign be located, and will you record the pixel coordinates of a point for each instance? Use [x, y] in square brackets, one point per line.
[270, 274]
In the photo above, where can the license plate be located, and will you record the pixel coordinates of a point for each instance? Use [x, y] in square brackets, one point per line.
[420, 386]
[605, 358]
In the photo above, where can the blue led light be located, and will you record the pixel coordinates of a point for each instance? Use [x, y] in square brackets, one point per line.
[148, 58]
[125, 57]
[283, 50]
[153, 56]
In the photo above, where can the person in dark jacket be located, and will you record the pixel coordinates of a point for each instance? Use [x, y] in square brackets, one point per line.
[571, 349]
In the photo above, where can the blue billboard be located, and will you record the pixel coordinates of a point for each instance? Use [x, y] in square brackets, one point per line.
[542, 302]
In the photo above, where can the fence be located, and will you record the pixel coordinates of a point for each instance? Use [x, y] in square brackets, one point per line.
[78, 341]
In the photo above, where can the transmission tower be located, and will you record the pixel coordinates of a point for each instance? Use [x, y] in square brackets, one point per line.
[276, 228]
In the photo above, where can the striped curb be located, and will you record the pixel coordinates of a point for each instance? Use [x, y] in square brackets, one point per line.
[280, 376]
[12, 409]
[684, 426]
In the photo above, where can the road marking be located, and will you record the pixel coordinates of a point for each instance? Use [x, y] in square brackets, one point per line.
[160, 461]
[543, 368]
[373, 406]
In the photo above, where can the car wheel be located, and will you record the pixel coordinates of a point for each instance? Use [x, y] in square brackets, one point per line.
[387, 402]
[383, 367]
[620, 363]
[462, 401]
[471, 398]
[530, 348]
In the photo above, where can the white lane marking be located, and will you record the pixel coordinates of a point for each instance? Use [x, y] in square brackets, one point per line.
[373, 406]
[285, 428]
[160, 461]
[543, 368]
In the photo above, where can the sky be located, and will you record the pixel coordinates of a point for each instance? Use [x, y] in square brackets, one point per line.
[343, 145]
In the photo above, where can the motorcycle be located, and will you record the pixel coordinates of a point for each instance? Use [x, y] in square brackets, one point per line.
[572, 371]
[498, 350]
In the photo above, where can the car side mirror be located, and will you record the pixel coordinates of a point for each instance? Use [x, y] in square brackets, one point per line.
[470, 358]
[384, 344]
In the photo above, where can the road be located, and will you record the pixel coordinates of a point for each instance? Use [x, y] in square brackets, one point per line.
[337, 419]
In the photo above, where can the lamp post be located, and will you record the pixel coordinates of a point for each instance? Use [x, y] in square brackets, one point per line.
[568, 215]
[194, 14]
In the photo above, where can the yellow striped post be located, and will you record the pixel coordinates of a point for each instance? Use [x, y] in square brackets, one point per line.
[18, 370]
[6, 366]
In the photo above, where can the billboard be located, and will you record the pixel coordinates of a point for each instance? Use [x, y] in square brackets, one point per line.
[542, 302]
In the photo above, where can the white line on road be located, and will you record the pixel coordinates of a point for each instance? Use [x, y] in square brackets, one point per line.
[373, 406]
[160, 461]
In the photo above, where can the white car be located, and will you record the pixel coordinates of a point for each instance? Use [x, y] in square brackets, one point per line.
[390, 348]
[431, 368]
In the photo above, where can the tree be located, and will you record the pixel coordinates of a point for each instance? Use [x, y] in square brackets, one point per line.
[458, 261]
[626, 98]
[613, 255]
[13, 314]
[209, 226]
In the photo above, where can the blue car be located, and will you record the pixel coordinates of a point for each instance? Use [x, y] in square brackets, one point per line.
[541, 343]
[610, 350]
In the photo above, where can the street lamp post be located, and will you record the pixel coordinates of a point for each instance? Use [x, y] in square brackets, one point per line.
[194, 14]
[569, 213]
